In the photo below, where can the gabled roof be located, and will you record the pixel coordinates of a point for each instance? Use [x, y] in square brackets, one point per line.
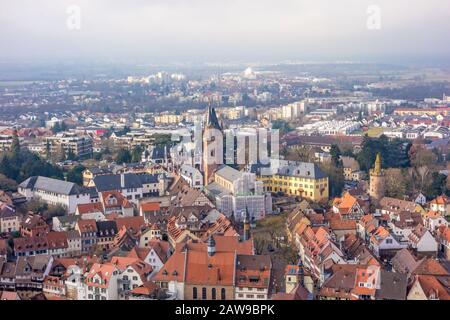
[113, 182]
[435, 287]
[430, 267]
[441, 200]
[404, 262]
[86, 208]
[87, 225]
[228, 173]
[393, 286]
[134, 224]
[52, 185]
[253, 271]
[104, 271]
[106, 228]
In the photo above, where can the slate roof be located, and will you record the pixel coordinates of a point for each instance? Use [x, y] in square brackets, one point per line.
[52, 185]
[229, 173]
[106, 228]
[304, 170]
[7, 212]
[293, 169]
[158, 152]
[393, 286]
[113, 181]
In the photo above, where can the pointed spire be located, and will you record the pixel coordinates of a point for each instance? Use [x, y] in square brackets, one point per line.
[377, 168]
[211, 118]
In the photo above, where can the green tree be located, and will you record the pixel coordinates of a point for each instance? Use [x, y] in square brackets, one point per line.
[62, 154]
[70, 154]
[394, 153]
[335, 178]
[436, 187]
[136, 155]
[281, 125]
[15, 145]
[7, 184]
[335, 153]
[123, 156]
[75, 174]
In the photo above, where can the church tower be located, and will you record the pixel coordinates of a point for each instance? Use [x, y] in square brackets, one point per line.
[212, 149]
[377, 181]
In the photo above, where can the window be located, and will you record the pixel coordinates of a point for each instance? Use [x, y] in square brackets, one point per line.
[203, 293]
[194, 293]
[223, 294]
[213, 293]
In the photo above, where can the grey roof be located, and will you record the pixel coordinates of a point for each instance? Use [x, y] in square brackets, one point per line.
[404, 262]
[302, 169]
[68, 219]
[97, 170]
[149, 178]
[392, 286]
[229, 173]
[113, 181]
[52, 185]
[106, 228]
[158, 152]
[215, 189]
[290, 168]
[7, 212]
[93, 193]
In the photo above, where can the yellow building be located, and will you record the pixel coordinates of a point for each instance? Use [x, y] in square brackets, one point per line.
[302, 179]
[89, 174]
[168, 118]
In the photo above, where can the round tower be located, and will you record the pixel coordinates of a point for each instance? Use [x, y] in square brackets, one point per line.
[377, 181]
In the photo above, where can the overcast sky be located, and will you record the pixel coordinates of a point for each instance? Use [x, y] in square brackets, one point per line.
[213, 30]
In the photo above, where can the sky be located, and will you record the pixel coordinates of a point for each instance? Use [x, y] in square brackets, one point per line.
[224, 30]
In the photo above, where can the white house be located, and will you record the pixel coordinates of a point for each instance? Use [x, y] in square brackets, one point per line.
[75, 286]
[101, 282]
[433, 220]
[441, 204]
[420, 199]
[422, 240]
[382, 241]
[134, 276]
[192, 176]
[54, 192]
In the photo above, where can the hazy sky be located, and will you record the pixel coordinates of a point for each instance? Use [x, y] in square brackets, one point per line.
[213, 30]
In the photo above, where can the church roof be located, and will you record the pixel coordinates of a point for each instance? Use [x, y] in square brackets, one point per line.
[211, 119]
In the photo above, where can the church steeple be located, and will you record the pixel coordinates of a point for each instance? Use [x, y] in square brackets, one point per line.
[211, 119]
